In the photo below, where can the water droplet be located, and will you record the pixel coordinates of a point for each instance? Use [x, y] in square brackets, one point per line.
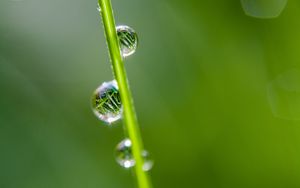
[284, 95]
[125, 158]
[98, 7]
[124, 154]
[148, 163]
[106, 102]
[128, 40]
[263, 8]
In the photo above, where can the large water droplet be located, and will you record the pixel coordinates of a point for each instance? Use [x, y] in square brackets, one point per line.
[125, 158]
[263, 8]
[128, 40]
[106, 102]
[284, 95]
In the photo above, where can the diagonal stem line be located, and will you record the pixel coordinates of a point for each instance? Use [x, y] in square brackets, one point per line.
[131, 124]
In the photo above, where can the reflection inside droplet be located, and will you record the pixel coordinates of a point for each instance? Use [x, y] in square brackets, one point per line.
[263, 8]
[284, 95]
[106, 102]
[128, 40]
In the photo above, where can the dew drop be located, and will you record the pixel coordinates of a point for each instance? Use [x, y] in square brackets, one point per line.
[148, 163]
[106, 102]
[263, 8]
[124, 156]
[98, 7]
[128, 40]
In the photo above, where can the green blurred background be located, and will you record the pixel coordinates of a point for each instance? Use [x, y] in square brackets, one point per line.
[217, 94]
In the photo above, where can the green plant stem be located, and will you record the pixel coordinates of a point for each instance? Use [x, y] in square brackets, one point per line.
[131, 124]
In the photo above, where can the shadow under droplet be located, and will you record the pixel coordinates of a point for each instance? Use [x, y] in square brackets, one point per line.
[284, 95]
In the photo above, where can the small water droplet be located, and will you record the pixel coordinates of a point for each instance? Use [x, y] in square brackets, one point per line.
[128, 40]
[106, 102]
[124, 154]
[263, 8]
[125, 158]
[98, 7]
[148, 163]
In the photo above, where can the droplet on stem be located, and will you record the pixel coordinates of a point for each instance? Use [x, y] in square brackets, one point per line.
[106, 102]
[128, 40]
[148, 163]
[124, 156]
[98, 7]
